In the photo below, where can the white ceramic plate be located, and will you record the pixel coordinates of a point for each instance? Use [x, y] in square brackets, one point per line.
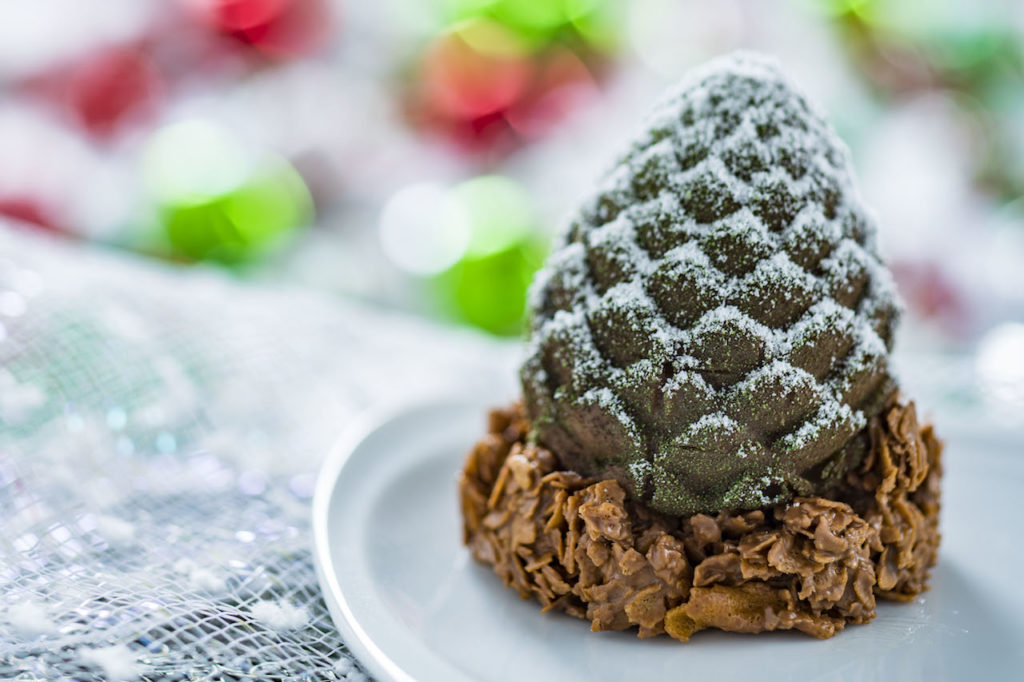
[412, 604]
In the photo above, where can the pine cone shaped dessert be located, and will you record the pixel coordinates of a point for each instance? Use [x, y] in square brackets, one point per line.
[713, 329]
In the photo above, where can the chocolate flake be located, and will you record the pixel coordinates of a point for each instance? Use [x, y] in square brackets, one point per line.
[813, 564]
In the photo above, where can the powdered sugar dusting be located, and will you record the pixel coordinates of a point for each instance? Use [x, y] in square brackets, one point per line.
[729, 235]
[280, 614]
[30, 618]
[117, 662]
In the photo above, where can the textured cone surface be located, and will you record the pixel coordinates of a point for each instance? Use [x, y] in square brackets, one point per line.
[713, 330]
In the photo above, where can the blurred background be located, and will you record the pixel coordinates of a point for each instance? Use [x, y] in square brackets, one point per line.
[224, 222]
[419, 154]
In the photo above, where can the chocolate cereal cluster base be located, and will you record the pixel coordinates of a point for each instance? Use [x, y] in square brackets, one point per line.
[813, 564]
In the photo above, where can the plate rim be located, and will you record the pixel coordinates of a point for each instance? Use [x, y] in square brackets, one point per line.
[355, 638]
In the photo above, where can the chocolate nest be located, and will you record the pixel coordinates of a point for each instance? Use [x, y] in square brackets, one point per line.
[814, 564]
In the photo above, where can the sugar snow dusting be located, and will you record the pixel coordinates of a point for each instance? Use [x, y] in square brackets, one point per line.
[724, 271]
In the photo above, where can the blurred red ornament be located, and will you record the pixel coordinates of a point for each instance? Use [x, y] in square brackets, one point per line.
[481, 87]
[278, 28]
[464, 82]
[111, 87]
[28, 210]
[931, 293]
[490, 131]
[105, 90]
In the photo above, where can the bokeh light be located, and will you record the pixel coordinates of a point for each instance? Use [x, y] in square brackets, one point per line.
[193, 161]
[423, 229]
[499, 213]
[1000, 365]
[477, 245]
[487, 286]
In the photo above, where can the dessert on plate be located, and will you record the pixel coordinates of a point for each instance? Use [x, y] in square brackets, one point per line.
[710, 435]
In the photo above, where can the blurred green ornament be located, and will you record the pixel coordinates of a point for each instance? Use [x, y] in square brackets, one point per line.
[531, 16]
[862, 8]
[217, 200]
[242, 224]
[487, 286]
[538, 22]
[489, 291]
[599, 22]
[528, 17]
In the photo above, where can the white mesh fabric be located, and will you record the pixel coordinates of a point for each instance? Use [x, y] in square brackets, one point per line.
[160, 431]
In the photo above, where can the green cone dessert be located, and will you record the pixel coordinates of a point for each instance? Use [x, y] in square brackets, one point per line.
[713, 329]
[710, 436]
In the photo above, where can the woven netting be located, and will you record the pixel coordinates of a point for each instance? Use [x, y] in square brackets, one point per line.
[160, 433]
